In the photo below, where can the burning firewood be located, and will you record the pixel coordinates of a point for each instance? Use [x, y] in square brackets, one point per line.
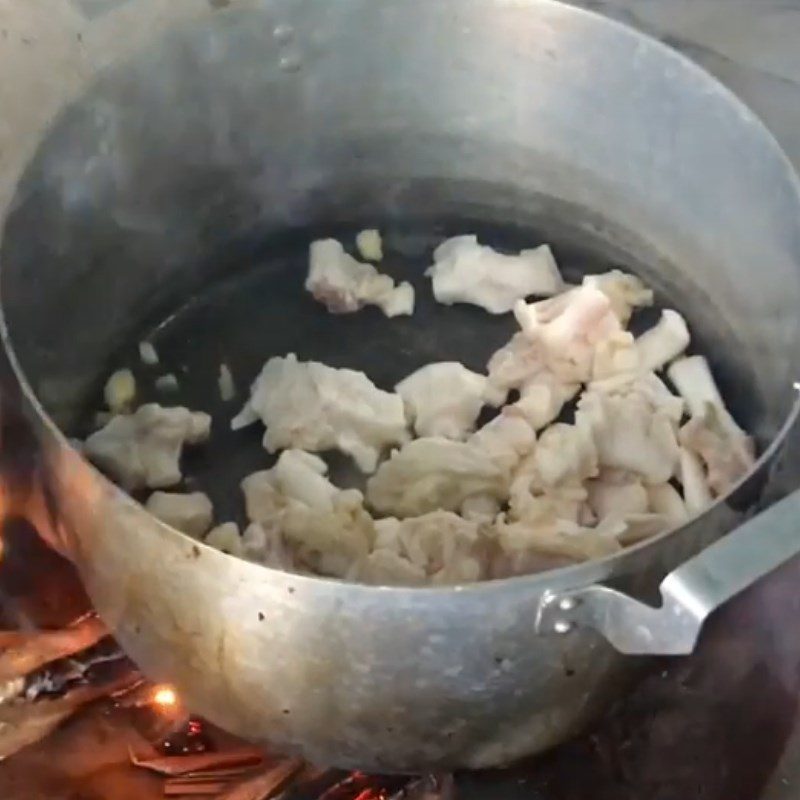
[207, 763]
[23, 652]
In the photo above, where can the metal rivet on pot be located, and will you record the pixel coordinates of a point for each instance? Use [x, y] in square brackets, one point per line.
[562, 626]
[567, 603]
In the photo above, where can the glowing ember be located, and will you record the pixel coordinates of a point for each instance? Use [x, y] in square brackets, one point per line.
[165, 697]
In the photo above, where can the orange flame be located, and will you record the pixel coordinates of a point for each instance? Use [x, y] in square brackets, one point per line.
[165, 697]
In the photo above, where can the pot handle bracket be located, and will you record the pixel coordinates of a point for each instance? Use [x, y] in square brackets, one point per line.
[689, 593]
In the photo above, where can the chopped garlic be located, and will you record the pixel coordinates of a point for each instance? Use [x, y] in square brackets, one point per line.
[227, 388]
[465, 271]
[370, 245]
[190, 513]
[344, 285]
[445, 399]
[144, 449]
[310, 406]
[120, 391]
[148, 354]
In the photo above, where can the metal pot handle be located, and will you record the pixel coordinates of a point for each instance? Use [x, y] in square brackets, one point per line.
[690, 593]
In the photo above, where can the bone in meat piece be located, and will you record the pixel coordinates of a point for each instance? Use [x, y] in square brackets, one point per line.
[666, 340]
[344, 285]
[445, 399]
[467, 272]
[431, 474]
[310, 406]
[441, 544]
[696, 492]
[630, 434]
[370, 244]
[190, 513]
[144, 449]
[626, 292]
[569, 328]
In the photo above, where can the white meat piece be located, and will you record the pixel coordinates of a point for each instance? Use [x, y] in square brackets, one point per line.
[480, 508]
[442, 544]
[370, 245]
[310, 406]
[696, 492]
[557, 539]
[520, 365]
[384, 567]
[626, 292]
[431, 474]
[664, 499]
[542, 399]
[694, 381]
[445, 399]
[630, 434]
[265, 544]
[516, 363]
[148, 354]
[666, 340]
[344, 285]
[531, 503]
[144, 449]
[565, 454]
[465, 271]
[120, 391]
[615, 357]
[226, 538]
[506, 439]
[225, 384]
[190, 513]
[569, 328]
[620, 495]
[297, 476]
[645, 386]
[329, 542]
[727, 454]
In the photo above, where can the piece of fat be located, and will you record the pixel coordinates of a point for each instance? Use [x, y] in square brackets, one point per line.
[345, 285]
[662, 343]
[465, 271]
[190, 513]
[225, 383]
[226, 538]
[445, 399]
[309, 406]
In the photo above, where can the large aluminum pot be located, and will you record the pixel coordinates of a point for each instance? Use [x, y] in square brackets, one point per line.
[276, 116]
